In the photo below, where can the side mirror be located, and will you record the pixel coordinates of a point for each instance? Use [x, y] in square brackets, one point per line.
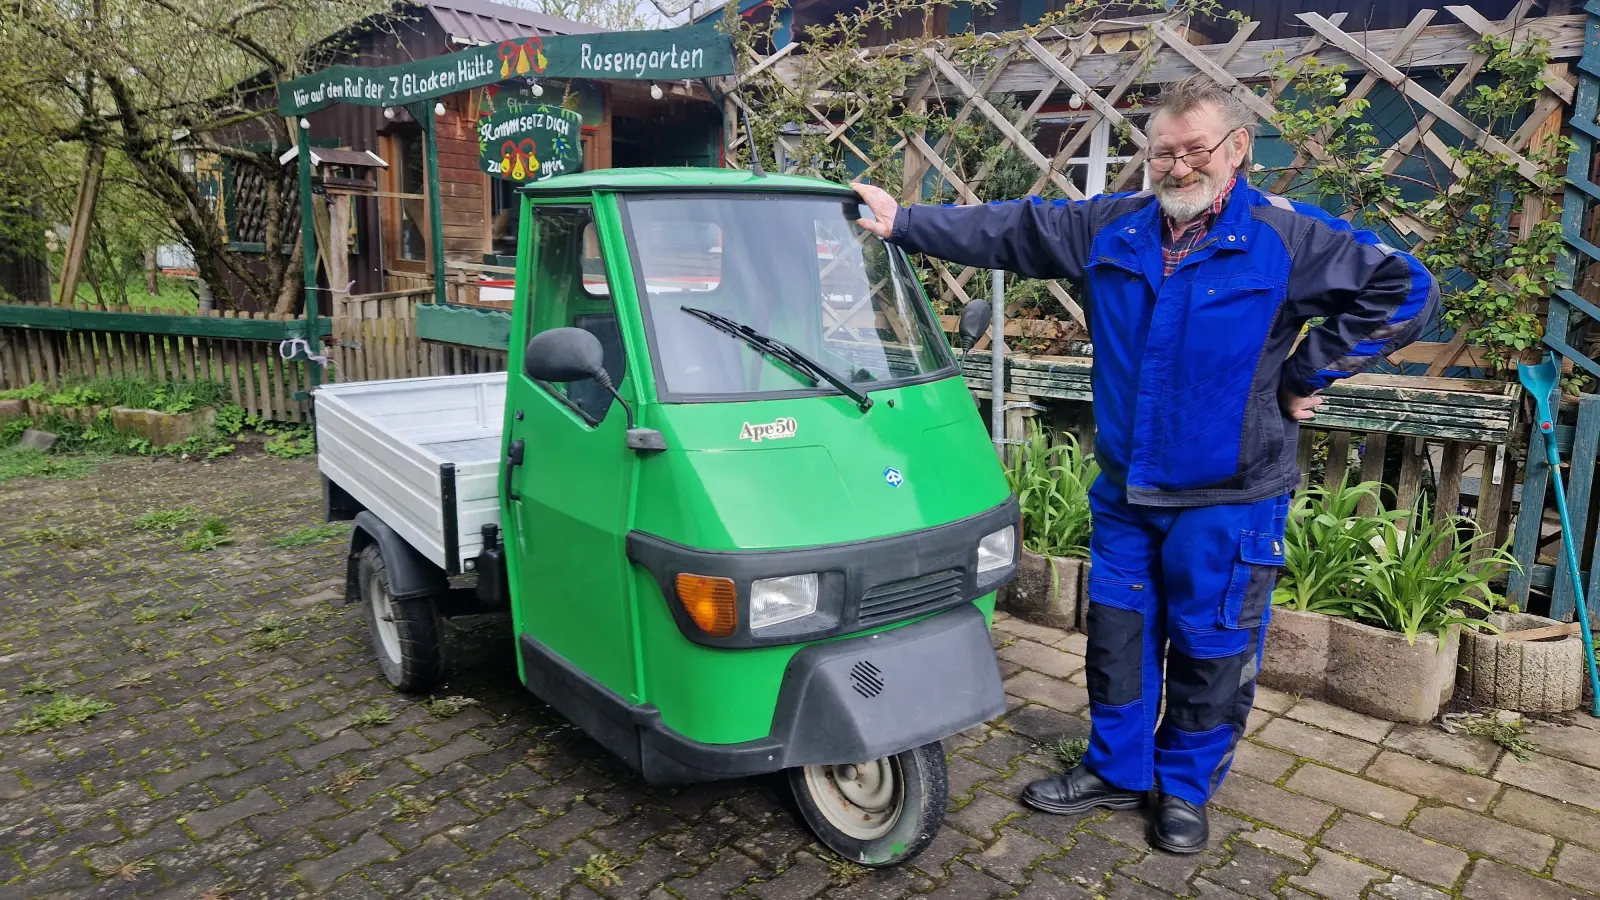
[565, 354]
[975, 319]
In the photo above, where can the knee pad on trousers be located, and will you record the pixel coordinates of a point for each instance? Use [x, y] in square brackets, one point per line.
[1205, 693]
[1115, 655]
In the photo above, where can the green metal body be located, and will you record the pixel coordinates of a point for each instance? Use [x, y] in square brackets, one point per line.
[580, 490]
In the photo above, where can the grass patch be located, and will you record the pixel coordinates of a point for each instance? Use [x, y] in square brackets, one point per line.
[844, 868]
[1068, 753]
[145, 614]
[133, 680]
[1510, 733]
[445, 707]
[291, 445]
[37, 686]
[378, 713]
[26, 462]
[185, 615]
[211, 534]
[600, 869]
[311, 534]
[410, 808]
[270, 633]
[123, 871]
[164, 519]
[62, 711]
[346, 781]
[70, 538]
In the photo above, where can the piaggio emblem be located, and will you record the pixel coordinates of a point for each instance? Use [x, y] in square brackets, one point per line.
[893, 477]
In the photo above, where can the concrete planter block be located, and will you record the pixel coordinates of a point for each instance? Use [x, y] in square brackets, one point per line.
[1374, 671]
[83, 415]
[1046, 591]
[13, 409]
[1296, 655]
[162, 429]
[1523, 676]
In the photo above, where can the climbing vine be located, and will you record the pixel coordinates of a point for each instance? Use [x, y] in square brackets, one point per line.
[1491, 234]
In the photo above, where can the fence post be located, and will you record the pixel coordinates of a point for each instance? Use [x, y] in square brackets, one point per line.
[997, 361]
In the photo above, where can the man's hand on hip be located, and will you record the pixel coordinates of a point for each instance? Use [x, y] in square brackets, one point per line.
[1298, 408]
[883, 208]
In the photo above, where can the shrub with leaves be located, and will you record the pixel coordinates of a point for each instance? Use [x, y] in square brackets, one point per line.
[1052, 481]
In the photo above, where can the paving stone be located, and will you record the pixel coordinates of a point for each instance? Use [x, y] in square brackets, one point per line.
[1325, 747]
[1090, 859]
[1493, 881]
[1042, 659]
[1025, 629]
[967, 883]
[316, 754]
[1273, 805]
[1074, 642]
[1253, 872]
[1261, 763]
[1403, 888]
[1395, 849]
[1336, 877]
[168, 782]
[1046, 886]
[805, 877]
[1565, 820]
[1351, 793]
[1273, 701]
[1344, 721]
[1578, 867]
[1257, 720]
[1553, 778]
[397, 878]
[207, 822]
[1169, 871]
[1436, 782]
[1569, 742]
[1479, 834]
[1464, 751]
[1043, 724]
[1009, 858]
[1051, 692]
[1278, 842]
[320, 873]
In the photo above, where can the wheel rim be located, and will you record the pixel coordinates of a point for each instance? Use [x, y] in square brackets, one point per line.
[862, 800]
[383, 618]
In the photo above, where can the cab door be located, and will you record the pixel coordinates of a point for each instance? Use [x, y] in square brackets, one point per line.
[565, 504]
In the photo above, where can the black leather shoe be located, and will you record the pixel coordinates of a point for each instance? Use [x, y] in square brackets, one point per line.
[1180, 827]
[1078, 791]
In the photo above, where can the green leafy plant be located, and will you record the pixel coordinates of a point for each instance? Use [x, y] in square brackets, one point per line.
[410, 807]
[1325, 540]
[164, 519]
[291, 444]
[1068, 752]
[1510, 732]
[62, 711]
[26, 462]
[1425, 577]
[230, 419]
[37, 685]
[345, 781]
[311, 534]
[271, 632]
[211, 534]
[377, 713]
[185, 615]
[445, 707]
[1052, 481]
[146, 614]
[600, 869]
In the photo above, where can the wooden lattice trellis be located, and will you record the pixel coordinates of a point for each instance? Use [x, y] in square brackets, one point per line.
[1107, 62]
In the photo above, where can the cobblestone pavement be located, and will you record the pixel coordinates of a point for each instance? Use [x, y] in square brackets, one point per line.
[246, 754]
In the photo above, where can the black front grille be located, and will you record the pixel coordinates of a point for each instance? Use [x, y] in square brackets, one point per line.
[904, 599]
[867, 679]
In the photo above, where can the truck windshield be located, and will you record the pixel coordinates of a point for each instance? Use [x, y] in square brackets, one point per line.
[794, 268]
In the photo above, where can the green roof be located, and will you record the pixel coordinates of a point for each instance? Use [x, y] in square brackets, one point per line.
[679, 179]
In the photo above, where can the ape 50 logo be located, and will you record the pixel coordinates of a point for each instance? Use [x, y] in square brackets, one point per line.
[522, 59]
[771, 431]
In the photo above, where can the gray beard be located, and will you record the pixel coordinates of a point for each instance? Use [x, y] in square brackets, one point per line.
[1181, 206]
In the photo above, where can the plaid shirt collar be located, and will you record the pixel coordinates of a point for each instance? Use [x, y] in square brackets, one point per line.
[1179, 241]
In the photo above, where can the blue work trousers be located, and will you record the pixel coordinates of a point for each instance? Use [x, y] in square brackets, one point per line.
[1190, 587]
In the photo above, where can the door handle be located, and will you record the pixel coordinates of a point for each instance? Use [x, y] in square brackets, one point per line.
[513, 459]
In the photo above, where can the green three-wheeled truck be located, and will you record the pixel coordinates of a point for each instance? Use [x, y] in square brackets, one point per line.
[734, 493]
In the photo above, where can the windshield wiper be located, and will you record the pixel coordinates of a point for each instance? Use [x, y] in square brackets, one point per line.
[782, 352]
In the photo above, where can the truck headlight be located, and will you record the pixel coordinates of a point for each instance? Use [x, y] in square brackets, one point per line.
[777, 600]
[997, 550]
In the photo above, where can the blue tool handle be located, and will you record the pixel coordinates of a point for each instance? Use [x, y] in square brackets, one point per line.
[1572, 563]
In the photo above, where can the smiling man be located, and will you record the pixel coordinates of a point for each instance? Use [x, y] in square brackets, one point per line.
[1196, 292]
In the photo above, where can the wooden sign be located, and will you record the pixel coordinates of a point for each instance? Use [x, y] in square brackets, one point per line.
[530, 144]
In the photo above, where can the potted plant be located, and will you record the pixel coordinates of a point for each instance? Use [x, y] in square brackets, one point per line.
[1051, 480]
[1324, 541]
[1369, 611]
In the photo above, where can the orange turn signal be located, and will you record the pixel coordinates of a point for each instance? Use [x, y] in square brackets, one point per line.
[711, 602]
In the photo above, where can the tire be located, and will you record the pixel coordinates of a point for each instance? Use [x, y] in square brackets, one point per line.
[887, 814]
[407, 641]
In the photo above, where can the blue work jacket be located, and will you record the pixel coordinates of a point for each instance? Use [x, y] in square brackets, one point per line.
[1187, 367]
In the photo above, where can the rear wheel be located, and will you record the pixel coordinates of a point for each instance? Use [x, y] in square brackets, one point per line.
[876, 813]
[405, 634]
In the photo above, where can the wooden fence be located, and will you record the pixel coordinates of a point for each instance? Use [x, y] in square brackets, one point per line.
[56, 345]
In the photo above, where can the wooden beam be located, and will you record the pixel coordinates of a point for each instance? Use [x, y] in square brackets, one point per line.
[82, 221]
[1554, 81]
[1065, 74]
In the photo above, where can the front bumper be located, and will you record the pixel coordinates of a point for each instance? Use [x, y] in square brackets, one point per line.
[850, 700]
[861, 585]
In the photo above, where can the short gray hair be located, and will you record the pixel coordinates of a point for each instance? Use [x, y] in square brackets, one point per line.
[1200, 89]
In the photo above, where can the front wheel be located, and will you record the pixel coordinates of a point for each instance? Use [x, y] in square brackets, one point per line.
[876, 813]
[405, 633]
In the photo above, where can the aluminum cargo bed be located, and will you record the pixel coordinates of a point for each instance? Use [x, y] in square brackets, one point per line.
[422, 454]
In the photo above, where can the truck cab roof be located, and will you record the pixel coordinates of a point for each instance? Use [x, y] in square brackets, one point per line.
[681, 179]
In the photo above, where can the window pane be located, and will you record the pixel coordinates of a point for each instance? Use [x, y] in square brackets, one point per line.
[413, 237]
[565, 295]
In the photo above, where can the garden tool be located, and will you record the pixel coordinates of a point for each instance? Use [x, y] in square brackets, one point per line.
[1540, 381]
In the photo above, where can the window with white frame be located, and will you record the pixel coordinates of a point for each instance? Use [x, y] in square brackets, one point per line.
[1099, 158]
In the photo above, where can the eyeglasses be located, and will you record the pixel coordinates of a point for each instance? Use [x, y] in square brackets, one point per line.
[1194, 159]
